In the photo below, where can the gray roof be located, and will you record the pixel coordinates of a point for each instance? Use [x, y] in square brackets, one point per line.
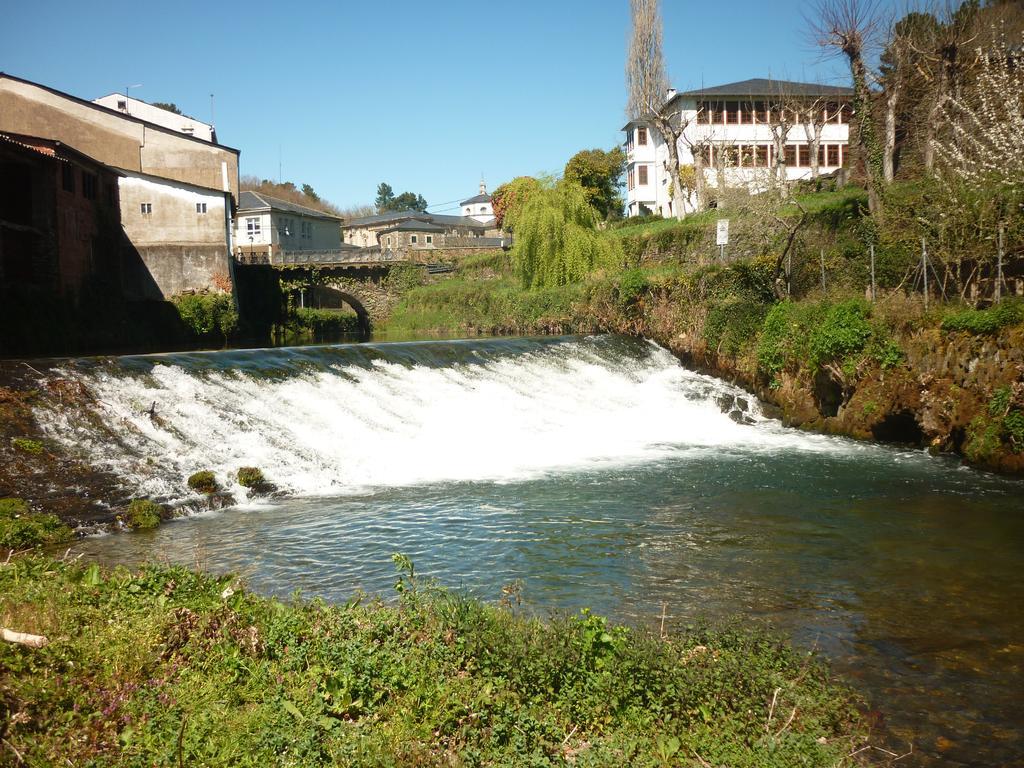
[399, 216]
[477, 199]
[760, 86]
[414, 225]
[259, 201]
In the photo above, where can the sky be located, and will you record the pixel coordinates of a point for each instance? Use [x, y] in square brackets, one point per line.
[426, 96]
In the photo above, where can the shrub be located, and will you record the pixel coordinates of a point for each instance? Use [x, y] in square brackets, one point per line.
[142, 514]
[632, 283]
[251, 477]
[21, 528]
[203, 482]
[208, 315]
[985, 321]
[845, 332]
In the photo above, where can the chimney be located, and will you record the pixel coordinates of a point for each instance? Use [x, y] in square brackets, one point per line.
[670, 94]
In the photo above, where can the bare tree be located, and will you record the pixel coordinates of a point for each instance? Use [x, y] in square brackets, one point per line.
[812, 117]
[848, 27]
[782, 117]
[647, 86]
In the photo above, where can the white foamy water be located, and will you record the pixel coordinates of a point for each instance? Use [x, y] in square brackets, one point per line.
[343, 420]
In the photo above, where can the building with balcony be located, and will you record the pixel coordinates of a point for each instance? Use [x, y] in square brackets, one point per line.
[736, 128]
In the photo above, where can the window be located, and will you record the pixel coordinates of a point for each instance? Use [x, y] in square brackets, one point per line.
[430, 239]
[89, 183]
[630, 183]
[732, 112]
[146, 208]
[833, 155]
[703, 112]
[414, 239]
[641, 136]
[763, 156]
[253, 226]
[388, 242]
[200, 207]
[789, 152]
[760, 112]
[803, 155]
[642, 178]
[67, 176]
[122, 105]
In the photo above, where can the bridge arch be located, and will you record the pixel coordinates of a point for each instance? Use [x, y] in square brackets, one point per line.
[333, 297]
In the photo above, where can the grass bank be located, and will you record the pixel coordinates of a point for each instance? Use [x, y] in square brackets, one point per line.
[168, 667]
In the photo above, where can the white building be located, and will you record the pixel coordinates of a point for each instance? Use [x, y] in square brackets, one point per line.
[479, 206]
[734, 126]
[145, 111]
[267, 225]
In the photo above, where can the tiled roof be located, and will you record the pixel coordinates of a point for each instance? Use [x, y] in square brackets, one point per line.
[414, 225]
[398, 216]
[477, 199]
[52, 148]
[250, 201]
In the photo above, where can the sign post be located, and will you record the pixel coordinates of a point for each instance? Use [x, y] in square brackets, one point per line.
[722, 237]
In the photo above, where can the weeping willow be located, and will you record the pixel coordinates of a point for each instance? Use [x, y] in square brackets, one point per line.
[556, 238]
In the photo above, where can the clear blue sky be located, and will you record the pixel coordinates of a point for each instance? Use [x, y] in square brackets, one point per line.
[423, 95]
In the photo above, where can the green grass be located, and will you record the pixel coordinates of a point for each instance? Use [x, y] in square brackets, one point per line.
[20, 528]
[165, 667]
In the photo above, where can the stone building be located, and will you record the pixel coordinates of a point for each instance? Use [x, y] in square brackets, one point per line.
[444, 231]
[177, 192]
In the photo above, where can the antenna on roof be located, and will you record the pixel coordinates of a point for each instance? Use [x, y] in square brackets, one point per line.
[137, 85]
[212, 120]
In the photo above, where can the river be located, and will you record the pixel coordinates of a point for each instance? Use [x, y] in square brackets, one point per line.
[599, 473]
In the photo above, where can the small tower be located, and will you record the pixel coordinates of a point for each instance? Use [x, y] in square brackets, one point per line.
[479, 207]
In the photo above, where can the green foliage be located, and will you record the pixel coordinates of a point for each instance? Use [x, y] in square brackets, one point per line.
[985, 321]
[509, 199]
[26, 445]
[203, 482]
[844, 332]
[556, 242]
[632, 284]
[208, 315]
[308, 191]
[319, 323]
[1003, 425]
[404, 277]
[407, 201]
[165, 666]
[168, 105]
[251, 477]
[21, 528]
[732, 324]
[143, 514]
[599, 173]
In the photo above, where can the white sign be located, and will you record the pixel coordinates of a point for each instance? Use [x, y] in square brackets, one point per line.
[723, 232]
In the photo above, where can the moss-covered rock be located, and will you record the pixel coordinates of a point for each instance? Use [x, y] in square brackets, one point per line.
[27, 445]
[20, 528]
[251, 477]
[203, 482]
[142, 514]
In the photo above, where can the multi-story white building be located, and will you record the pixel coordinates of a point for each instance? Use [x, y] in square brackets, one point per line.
[736, 128]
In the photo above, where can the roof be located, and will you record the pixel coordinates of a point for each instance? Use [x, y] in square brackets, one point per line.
[120, 114]
[398, 216]
[414, 225]
[252, 201]
[52, 148]
[477, 199]
[760, 86]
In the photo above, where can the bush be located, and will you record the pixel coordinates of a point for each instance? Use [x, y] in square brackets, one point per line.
[143, 514]
[251, 477]
[632, 283]
[208, 315]
[845, 332]
[985, 321]
[21, 528]
[203, 482]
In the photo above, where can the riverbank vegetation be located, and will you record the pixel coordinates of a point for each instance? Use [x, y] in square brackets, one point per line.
[169, 667]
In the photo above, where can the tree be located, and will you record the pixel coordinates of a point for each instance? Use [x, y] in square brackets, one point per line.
[169, 106]
[848, 27]
[407, 201]
[307, 190]
[647, 86]
[599, 173]
[556, 239]
[812, 117]
[508, 200]
[385, 197]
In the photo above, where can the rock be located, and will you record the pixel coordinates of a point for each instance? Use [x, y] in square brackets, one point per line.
[204, 482]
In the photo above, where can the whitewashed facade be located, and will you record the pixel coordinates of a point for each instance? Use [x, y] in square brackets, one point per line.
[479, 206]
[145, 111]
[734, 123]
[268, 225]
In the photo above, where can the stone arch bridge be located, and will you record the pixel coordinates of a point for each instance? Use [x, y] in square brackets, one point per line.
[357, 277]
